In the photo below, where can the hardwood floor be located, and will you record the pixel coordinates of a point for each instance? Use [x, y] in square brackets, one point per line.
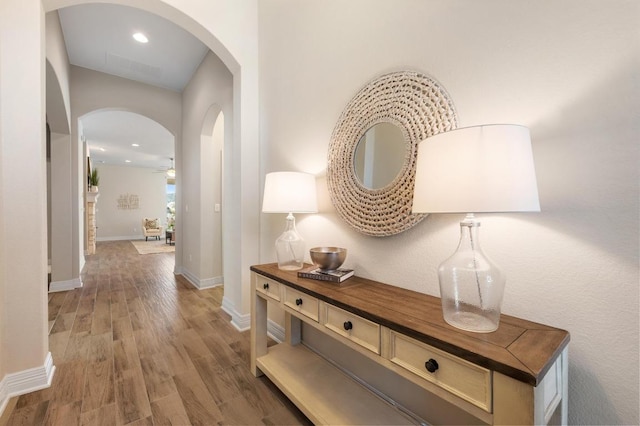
[138, 346]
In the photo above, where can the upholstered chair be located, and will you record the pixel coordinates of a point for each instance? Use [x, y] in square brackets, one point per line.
[151, 228]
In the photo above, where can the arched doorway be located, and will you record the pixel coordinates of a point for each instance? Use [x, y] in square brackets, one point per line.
[233, 38]
[212, 194]
[132, 153]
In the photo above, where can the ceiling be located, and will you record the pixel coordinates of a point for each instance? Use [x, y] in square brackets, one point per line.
[100, 37]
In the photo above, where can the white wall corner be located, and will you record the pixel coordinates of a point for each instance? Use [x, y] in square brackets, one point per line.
[23, 382]
[242, 322]
[67, 285]
[190, 277]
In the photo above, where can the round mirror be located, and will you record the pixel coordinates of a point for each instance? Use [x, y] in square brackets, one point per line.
[416, 106]
[380, 155]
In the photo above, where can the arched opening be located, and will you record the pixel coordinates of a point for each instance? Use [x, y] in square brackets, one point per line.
[212, 195]
[132, 154]
[233, 39]
[59, 201]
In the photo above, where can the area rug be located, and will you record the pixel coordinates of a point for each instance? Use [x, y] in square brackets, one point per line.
[153, 246]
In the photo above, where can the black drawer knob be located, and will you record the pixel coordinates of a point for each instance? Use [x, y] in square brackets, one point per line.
[265, 286]
[431, 365]
[347, 325]
[298, 302]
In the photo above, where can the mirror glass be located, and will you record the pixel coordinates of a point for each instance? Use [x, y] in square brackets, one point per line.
[379, 155]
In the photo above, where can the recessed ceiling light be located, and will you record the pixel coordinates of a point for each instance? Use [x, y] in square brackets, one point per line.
[102, 149]
[127, 161]
[134, 144]
[139, 37]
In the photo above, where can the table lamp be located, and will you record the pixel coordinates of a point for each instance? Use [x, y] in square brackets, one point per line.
[478, 169]
[290, 192]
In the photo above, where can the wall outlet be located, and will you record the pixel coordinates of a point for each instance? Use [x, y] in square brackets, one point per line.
[216, 207]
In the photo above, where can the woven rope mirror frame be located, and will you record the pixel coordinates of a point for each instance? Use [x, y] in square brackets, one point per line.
[420, 107]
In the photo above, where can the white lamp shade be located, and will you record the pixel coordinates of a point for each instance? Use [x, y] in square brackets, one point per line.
[476, 169]
[289, 192]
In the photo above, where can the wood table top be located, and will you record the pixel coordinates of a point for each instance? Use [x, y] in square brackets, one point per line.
[520, 349]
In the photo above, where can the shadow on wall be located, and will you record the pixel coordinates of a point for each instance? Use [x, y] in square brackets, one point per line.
[586, 158]
[599, 407]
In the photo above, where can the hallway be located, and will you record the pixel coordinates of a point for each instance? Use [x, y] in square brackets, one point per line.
[139, 346]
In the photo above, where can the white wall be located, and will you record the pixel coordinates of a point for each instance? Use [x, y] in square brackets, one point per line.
[61, 209]
[123, 224]
[569, 71]
[58, 104]
[23, 189]
[209, 92]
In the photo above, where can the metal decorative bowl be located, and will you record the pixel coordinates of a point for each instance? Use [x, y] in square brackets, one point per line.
[328, 258]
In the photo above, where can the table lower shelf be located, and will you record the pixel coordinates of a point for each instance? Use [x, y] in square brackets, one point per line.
[324, 393]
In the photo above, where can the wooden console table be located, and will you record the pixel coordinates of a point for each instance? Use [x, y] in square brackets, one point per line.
[515, 375]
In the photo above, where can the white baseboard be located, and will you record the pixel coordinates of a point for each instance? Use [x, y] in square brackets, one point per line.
[22, 382]
[211, 282]
[199, 283]
[242, 322]
[56, 286]
[275, 331]
[239, 321]
[123, 238]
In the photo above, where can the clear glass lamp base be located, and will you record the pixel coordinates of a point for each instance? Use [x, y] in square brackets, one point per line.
[471, 319]
[471, 285]
[290, 247]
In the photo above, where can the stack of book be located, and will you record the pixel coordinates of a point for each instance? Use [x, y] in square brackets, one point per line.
[335, 276]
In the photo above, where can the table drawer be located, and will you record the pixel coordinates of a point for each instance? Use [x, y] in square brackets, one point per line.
[268, 287]
[301, 302]
[357, 329]
[462, 378]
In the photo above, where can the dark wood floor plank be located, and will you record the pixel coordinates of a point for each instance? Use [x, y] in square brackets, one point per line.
[131, 397]
[103, 416]
[169, 411]
[82, 324]
[239, 411]
[69, 382]
[220, 381]
[198, 403]
[257, 393]
[157, 377]
[29, 415]
[67, 414]
[223, 355]
[99, 386]
[100, 347]
[56, 300]
[125, 356]
[193, 344]
[63, 322]
[58, 345]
